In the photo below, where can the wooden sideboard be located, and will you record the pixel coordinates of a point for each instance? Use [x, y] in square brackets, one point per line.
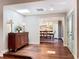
[17, 40]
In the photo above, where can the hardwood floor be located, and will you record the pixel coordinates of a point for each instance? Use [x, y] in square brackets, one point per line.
[54, 50]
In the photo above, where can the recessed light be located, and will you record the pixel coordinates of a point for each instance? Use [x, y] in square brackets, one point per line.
[51, 9]
[23, 11]
[40, 9]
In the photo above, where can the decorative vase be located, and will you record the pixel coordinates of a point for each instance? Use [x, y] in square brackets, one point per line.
[18, 31]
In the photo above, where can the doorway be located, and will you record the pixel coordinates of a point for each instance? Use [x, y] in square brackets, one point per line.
[51, 31]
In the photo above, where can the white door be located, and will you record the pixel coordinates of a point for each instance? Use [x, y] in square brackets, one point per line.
[70, 32]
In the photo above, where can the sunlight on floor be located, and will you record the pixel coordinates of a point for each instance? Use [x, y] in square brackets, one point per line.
[51, 52]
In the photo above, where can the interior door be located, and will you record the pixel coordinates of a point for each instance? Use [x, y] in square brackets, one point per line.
[70, 32]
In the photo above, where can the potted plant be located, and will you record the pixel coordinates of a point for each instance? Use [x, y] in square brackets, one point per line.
[18, 28]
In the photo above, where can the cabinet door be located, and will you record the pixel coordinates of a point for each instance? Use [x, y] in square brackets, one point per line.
[18, 41]
[11, 41]
[22, 39]
[26, 38]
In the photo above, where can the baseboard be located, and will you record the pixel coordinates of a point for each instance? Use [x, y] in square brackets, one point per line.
[58, 38]
[75, 57]
[65, 44]
[34, 43]
[2, 52]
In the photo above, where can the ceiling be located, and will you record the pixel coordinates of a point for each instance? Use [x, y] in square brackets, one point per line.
[44, 7]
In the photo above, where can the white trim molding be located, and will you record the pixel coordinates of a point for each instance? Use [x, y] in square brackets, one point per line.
[2, 52]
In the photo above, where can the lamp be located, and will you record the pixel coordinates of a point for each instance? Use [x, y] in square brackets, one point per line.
[11, 24]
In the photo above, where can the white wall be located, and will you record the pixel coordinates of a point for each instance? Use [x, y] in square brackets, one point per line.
[32, 26]
[7, 15]
[55, 28]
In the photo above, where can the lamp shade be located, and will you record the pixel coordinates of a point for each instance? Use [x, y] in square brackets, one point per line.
[10, 22]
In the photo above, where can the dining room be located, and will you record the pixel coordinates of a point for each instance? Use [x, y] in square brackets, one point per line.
[51, 30]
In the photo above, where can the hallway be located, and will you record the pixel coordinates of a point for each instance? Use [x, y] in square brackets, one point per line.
[54, 50]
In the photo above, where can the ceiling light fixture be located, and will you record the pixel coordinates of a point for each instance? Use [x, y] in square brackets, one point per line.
[23, 11]
[51, 9]
[41, 9]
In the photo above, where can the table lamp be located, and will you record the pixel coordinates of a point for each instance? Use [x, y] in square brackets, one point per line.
[11, 24]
